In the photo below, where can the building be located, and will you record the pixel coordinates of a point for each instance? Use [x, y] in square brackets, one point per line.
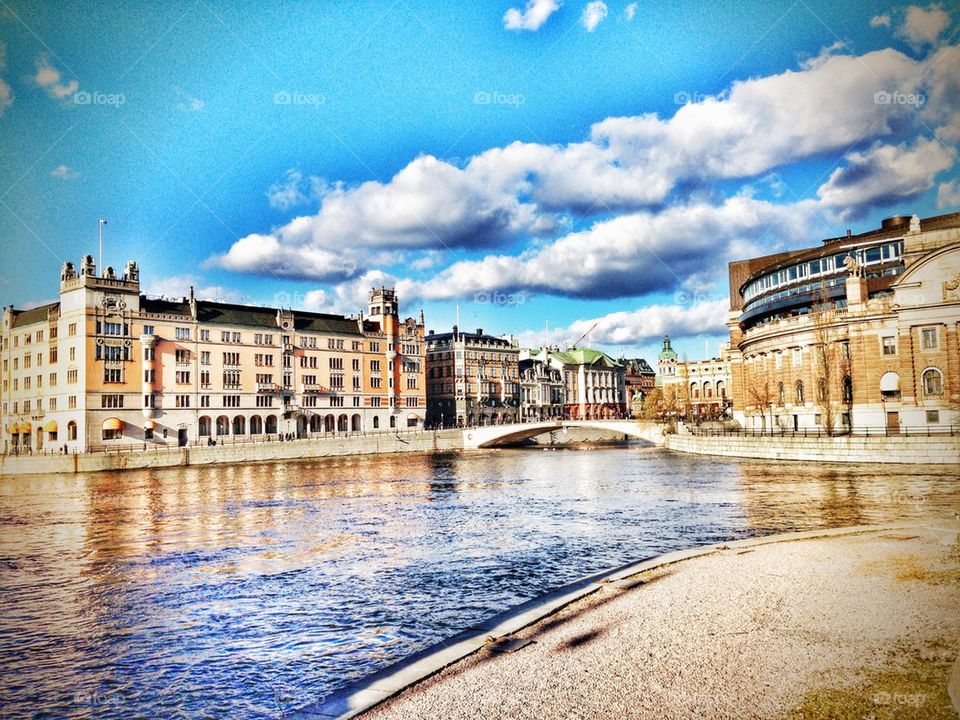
[472, 379]
[542, 390]
[104, 366]
[857, 332]
[639, 380]
[666, 362]
[593, 382]
[702, 386]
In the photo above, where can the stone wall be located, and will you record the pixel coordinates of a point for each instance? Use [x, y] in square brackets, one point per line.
[229, 454]
[938, 449]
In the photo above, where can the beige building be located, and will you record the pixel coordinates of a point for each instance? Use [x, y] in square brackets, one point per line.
[105, 367]
[858, 333]
[593, 382]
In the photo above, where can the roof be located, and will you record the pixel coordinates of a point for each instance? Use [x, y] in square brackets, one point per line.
[215, 313]
[638, 366]
[33, 315]
[583, 356]
[471, 338]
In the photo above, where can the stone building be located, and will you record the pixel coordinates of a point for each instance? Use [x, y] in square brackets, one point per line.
[639, 380]
[858, 332]
[106, 367]
[541, 388]
[472, 379]
[593, 382]
[702, 386]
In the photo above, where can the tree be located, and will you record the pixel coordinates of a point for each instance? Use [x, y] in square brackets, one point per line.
[762, 395]
[832, 361]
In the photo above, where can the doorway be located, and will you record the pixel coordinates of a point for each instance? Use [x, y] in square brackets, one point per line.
[893, 422]
[182, 437]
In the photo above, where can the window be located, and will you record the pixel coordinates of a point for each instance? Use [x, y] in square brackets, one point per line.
[374, 402]
[112, 375]
[53, 355]
[111, 434]
[267, 400]
[231, 358]
[72, 403]
[224, 336]
[73, 354]
[778, 360]
[183, 377]
[182, 333]
[374, 366]
[72, 329]
[780, 395]
[150, 400]
[375, 382]
[929, 339]
[71, 430]
[183, 356]
[797, 357]
[821, 390]
[799, 389]
[848, 390]
[148, 330]
[336, 363]
[205, 357]
[933, 416]
[111, 401]
[336, 402]
[932, 382]
[205, 401]
[205, 378]
[231, 401]
[110, 328]
[71, 376]
[355, 363]
[182, 401]
[413, 402]
[889, 345]
[374, 347]
[231, 378]
[149, 354]
[39, 335]
[205, 335]
[53, 379]
[336, 382]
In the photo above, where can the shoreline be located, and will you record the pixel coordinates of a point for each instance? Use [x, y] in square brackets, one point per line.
[407, 677]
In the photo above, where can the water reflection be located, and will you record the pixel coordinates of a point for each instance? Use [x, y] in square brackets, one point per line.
[242, 591]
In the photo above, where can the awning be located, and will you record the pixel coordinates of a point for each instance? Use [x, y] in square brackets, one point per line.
[51, 426]
[890, 382]
[112, 424]
[12, 428]
[25, 427]
[148, 425]
[413, 416]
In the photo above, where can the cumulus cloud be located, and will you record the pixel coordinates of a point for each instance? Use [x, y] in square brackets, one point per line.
[593, 14]
[63, 172]
[640, 326]
[188, 103]
[883, 174]
[532, 17]
[49, 78]
[924, 26]
[880, 21]
[630, 11]
[293, 189]
[631, 255]
[948, 195]
[6, 94]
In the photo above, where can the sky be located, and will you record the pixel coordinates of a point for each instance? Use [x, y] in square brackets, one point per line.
[552, 169]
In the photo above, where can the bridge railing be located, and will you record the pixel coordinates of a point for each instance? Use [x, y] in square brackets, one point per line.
[865, 431]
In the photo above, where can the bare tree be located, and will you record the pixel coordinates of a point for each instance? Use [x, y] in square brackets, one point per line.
[762, 395]
[832, 363]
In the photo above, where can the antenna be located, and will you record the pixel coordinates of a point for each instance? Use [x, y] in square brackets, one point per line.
[101, 222]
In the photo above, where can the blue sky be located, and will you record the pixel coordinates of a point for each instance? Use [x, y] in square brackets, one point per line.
[547, 167]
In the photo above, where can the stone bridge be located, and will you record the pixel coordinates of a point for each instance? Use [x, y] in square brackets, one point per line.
[499, 435]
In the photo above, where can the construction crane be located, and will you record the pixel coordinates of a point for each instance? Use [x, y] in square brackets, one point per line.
[577, 341]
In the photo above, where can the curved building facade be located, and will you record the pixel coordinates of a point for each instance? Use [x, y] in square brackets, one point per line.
[857, 333]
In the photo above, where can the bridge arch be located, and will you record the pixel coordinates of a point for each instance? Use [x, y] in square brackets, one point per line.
[501, 435]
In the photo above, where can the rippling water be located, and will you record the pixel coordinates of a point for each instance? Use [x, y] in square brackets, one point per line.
[246, 591]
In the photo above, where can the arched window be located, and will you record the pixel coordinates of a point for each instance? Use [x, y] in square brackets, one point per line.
[707, 390]
[342, 423]
[355, 423]
[256, 425]
[271, 424]
[721, 389]
[890, 386]
[71, 430]
[393, 421]
[799, 392]
[780, 396]
[694, 391]
[822, 390]
[239, 425]
[316, 423]
[204, 426]
[932, 382]
[223, 425]
[376, 423]
[329, 423]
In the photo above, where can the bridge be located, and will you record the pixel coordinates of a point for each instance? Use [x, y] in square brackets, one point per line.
[498, 435]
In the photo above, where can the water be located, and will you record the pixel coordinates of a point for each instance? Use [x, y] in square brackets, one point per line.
[246, 591]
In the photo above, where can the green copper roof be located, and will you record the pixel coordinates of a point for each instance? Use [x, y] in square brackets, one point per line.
[584, 356]
[668, 352]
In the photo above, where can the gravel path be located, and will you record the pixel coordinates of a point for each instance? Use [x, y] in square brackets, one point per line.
[738, 634]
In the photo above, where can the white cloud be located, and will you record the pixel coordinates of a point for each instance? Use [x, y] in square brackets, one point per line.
[178, 286]
[630, 11]
[883, 174]
[48, 78]
[632, 255]
[948, 195]
[880, 21]
[532, 17]
[639, 326]
[593, 14]
[6, 94]
[292, 190]
[63, 172]
[188, 103]
[924, 26]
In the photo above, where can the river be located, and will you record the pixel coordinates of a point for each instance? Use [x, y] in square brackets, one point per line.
[246, 591]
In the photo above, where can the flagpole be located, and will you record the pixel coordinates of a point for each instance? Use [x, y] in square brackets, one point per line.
[100, 222]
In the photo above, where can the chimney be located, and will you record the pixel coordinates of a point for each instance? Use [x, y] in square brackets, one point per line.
[479, 331]
[849, 232]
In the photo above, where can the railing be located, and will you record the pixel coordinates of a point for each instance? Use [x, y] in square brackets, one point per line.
[865, 431]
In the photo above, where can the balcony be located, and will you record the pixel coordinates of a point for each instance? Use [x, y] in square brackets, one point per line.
[268, 387]
[311, 388]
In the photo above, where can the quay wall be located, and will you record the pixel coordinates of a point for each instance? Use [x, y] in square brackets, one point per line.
[896, 449]
[232, 453]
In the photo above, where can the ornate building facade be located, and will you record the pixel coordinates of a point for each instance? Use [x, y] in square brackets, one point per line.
[858, 333]
[594, 385]
[472, 379]
[107, 367]
[639, 380]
